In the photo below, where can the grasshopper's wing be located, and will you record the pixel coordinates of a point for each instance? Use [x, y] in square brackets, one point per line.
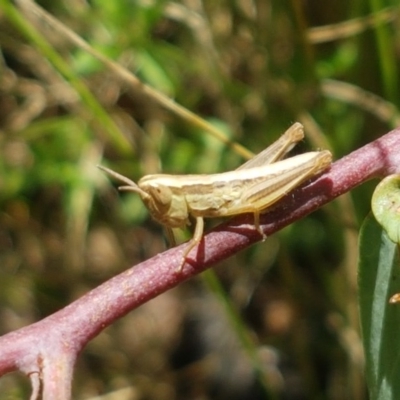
[300, 168]
[278, 149]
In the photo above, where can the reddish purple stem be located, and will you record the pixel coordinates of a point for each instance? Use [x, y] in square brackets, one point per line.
[49, 347]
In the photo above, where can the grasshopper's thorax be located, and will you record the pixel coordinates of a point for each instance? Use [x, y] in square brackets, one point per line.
[165, 205]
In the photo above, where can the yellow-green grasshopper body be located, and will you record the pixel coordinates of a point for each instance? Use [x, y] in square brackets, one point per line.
[252, 188]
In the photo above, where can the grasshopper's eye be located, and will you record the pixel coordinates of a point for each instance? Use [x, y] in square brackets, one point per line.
[161, 195]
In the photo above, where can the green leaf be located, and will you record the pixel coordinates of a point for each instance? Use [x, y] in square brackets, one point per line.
[386, 206]
[378, 280]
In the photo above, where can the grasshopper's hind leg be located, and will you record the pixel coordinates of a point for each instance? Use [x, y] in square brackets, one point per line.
[257, 224]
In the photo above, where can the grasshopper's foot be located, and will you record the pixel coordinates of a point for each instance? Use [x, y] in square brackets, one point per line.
[257, 225]
[186, 252]
[181, 265]
[263, 235]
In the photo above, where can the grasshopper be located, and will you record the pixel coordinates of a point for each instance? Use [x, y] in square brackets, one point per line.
[252, 188]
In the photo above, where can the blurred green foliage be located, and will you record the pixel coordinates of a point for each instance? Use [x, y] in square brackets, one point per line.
[250, 68]
[378, 282]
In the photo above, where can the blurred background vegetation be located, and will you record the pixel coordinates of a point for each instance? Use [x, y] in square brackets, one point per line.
[249, 68]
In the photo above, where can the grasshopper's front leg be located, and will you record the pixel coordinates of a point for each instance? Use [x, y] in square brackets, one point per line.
[196, 239]
[198, 234]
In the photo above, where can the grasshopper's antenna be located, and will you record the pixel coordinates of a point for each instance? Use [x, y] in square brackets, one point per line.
[131, 186]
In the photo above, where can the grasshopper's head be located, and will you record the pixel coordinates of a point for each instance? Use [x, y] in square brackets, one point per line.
[165, 203]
